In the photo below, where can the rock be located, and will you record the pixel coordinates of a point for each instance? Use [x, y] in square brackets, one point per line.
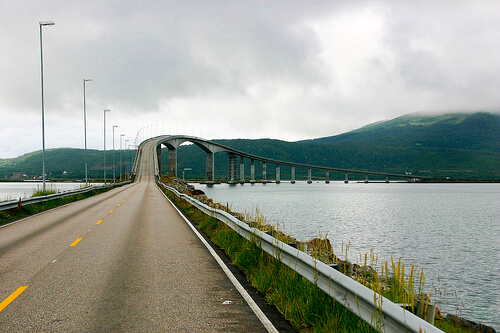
[470, 325]
[320, 244]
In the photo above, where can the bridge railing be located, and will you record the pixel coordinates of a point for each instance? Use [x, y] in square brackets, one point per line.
[371, 307]
[30, 201]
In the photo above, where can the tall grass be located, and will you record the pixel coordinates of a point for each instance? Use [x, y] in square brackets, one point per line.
[301, 302]
[40, 192]
[304, 305]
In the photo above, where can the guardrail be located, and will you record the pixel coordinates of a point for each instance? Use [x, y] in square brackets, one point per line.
[374, 309]
[29, 201]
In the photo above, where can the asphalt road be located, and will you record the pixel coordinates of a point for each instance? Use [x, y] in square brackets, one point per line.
[121, 261]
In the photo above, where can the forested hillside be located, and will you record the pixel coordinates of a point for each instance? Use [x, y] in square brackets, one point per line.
[452, 145]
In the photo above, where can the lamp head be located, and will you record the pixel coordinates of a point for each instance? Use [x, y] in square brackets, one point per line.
[46, 23]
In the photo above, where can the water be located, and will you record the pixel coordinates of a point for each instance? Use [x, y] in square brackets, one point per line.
[452, 231]
[15, 190]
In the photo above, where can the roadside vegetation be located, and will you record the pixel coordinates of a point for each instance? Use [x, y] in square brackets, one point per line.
[304, 305]
[20, 212]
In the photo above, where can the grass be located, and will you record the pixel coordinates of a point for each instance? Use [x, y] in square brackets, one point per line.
[10, 215]
[307, 307]
[304, 305]
[39, 192]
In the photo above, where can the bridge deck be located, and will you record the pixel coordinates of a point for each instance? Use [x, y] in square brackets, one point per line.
[121, 261]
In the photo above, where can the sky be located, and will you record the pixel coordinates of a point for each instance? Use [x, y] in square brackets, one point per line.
[287, 70]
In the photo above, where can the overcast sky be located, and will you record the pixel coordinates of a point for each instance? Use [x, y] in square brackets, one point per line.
[287, 70]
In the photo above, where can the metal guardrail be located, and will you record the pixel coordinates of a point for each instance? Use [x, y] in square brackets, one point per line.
[29, 201]
[374, 309]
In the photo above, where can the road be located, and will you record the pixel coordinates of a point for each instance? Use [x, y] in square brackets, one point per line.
[124, 260]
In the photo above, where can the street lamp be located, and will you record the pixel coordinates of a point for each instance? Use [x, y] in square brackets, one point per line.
[105, 144]
[121, 136]
[85, 128]
[114, 173]
[42, 24]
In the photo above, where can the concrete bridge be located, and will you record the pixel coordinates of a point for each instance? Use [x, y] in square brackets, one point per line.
[236, 157]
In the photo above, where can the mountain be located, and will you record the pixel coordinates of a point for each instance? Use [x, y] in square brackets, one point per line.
[450, 145]
[478, 131]
[457, 145]
[65, 163]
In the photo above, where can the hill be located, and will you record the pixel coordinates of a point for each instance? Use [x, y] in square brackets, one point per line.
[450, 145]
[65, 163]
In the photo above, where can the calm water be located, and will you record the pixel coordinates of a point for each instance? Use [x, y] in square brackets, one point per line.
[452, 231]
[14, 190]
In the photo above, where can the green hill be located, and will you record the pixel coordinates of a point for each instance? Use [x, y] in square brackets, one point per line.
[65, 163]
[450, 145]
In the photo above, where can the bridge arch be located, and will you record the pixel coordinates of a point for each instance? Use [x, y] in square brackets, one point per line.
[173, 143]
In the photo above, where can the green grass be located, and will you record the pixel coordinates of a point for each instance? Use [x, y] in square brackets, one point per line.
[10, 215]
[304, 305]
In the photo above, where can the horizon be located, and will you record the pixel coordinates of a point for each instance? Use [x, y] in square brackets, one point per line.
[277, 139]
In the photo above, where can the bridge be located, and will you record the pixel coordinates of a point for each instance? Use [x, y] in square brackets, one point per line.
[128, 260]
[237, 158]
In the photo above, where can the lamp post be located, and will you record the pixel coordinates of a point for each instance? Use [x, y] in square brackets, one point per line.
[85, 128]
[114, 173]
[43, 24]
[105, 144]
[121, 136]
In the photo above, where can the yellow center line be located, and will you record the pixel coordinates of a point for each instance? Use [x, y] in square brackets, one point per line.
[119, 205]
[111, 211]
[124, 199]
[99, 222]
[12, 297]
[76, 242]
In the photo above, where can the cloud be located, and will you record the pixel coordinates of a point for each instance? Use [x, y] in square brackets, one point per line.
[283, 69]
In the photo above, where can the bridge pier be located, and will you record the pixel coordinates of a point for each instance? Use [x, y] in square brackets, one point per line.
[293, 175]
[158, 156]
[277, 173]
[264, 172]
[172, 162]
[242, 170]
[346, 180]
[327, 181]
[309, 176]
[252, 171]
[231, 168]
[210, 168]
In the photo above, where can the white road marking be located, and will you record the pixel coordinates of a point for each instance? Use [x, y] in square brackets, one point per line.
[255, 308]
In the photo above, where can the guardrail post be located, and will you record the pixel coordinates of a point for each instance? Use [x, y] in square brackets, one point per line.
[309, 176]
[346, 180]
[327, 177]
[293, 175]
[277, 173]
